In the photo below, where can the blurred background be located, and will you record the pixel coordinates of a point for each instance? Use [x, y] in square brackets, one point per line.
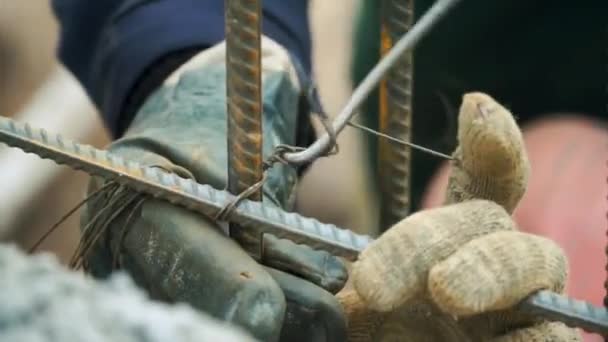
[34, 194]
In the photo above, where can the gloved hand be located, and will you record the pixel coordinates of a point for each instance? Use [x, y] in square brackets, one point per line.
[181, 256]
[454, 273]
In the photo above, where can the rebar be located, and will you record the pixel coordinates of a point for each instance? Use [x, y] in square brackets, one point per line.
[606, 246]
[252, 215]
[244, 105]
[418, 31]
[243, 90]
[399, 141]
[394, 160]
[574, 313]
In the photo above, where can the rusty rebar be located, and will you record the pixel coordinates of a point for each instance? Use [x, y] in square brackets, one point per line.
[394, 160]
[244, 95]
[253, 216]
[574, 313]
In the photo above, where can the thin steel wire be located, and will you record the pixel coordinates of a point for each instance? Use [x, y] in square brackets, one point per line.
[399, 141]
[67, 215]
[87, 230]
[98, 233]
[224, 213]
[124, 231]
[429, 20]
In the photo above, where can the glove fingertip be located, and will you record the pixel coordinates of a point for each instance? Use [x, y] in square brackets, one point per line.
[492, 159]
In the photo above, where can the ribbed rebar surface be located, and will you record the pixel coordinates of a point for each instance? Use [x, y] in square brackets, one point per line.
[573, 313]
[251, 215]
[243, 63]
[395, 116]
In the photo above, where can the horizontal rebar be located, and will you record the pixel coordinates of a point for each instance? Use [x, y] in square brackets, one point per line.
[204, 199]
[251, 215]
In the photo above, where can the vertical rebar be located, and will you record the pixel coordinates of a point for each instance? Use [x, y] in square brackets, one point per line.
[395, 110]
[244, 100]
[244, 94]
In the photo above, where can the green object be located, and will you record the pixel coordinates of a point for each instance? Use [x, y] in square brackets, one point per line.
[180, 256]
[536, 57]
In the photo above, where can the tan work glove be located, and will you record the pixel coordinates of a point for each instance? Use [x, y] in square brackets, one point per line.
[454, 273]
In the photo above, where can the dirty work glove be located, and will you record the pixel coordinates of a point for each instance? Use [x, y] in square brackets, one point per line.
[178, 255]
[454, 273]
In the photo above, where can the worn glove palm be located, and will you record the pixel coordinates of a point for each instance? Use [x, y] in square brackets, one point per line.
[454, 273]
[181, 256]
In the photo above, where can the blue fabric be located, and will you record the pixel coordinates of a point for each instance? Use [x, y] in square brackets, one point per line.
[108, 44]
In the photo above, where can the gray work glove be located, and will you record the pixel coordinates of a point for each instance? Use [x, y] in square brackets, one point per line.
[181, 256]
[454, 273]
